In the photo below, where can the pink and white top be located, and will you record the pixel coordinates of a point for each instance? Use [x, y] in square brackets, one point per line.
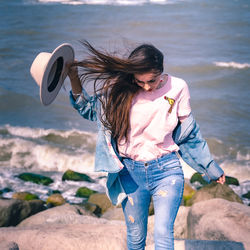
[153, 117]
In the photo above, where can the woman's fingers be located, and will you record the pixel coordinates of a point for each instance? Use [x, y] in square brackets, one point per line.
[72, 70]
[222, 179]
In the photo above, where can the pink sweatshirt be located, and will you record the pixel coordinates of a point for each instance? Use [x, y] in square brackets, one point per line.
[153, 117]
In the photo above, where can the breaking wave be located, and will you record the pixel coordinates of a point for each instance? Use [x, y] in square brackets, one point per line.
[47, 149]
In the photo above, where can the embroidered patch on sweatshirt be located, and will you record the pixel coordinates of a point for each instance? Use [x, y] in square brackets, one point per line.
[171, 103]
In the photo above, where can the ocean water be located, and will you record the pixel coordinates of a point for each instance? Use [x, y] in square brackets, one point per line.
[207, 43]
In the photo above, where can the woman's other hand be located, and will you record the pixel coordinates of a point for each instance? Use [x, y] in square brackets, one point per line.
[222, 179]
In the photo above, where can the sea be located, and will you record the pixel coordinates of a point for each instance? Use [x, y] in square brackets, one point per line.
[207, 43]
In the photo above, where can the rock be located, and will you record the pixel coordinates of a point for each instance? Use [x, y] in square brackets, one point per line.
[14, 211]
[187, 193]
[197, 177]
[68, 237]
[93, 208]
[8, 245]
[150, 233]
[25, 196]
[180, 225]
[64, 215]
[214, 190]
[36, 178]
[101, 200]
[55, 215]
[50, 192]
[55, 200]
[151, 210]
[5, 190]
[219, 219]
[114, 214]
[84, 192]
[207, 245]
[232, 181]
[75, 176]
[203, 245]
[247, 195]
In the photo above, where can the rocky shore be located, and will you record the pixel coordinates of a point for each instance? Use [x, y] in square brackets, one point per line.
[208, 212]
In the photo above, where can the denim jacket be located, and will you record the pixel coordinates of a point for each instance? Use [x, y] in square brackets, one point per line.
[192, 147]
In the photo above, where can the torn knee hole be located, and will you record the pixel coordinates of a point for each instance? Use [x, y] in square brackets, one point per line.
[131, 200]
[131, 218]
[162, 193]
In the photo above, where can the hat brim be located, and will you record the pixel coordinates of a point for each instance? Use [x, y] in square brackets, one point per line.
[55, 72]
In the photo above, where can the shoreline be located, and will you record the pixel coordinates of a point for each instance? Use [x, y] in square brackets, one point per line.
[10, 184]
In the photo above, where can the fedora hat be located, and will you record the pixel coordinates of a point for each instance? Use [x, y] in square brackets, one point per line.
[49, 71]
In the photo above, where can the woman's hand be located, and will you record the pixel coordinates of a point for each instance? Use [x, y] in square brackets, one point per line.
[72, 71]
[222, 179]
[74, 79]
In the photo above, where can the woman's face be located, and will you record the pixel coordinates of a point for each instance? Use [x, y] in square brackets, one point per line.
[148, 81]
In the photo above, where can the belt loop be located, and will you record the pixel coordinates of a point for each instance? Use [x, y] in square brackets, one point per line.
[133, 164]
[159, 161]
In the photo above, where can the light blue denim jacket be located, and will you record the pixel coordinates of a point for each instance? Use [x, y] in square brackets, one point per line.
[192, 148]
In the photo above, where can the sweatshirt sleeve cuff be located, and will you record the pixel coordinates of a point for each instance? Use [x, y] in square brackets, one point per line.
[78, 102]
[214, 172]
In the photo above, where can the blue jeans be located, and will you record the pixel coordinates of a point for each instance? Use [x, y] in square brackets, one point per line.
[163, 180]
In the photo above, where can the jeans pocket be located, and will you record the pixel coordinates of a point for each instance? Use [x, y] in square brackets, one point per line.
[173, 164]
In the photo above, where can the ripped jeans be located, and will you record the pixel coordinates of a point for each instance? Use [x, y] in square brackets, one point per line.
[163, 180]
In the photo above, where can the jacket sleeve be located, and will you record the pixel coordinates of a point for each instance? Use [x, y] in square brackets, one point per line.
[195, 152]
[86, 105]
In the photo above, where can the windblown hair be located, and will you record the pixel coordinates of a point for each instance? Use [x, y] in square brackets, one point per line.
[118, 86]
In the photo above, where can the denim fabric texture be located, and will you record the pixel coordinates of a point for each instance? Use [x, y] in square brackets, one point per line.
[193, 148]
[163, 180]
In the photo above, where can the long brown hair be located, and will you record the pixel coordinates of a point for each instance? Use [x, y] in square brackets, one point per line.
[118, 86]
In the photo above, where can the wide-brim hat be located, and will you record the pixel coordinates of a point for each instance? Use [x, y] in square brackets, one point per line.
[49, 71]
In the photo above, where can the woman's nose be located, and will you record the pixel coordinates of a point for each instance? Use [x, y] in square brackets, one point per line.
[146, 87]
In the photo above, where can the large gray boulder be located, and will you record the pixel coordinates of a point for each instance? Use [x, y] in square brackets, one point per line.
[180, 225]
[64, 215]
[8, 245]
[67, 237]
[214, 190]
[66, 227]
[219, 219]
[115, 213]
[14, 211]
[203, 245]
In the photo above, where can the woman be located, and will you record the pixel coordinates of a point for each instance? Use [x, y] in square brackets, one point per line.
[144, 119]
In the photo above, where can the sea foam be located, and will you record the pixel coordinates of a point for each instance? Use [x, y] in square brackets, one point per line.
[108, 2]
[232, 65]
